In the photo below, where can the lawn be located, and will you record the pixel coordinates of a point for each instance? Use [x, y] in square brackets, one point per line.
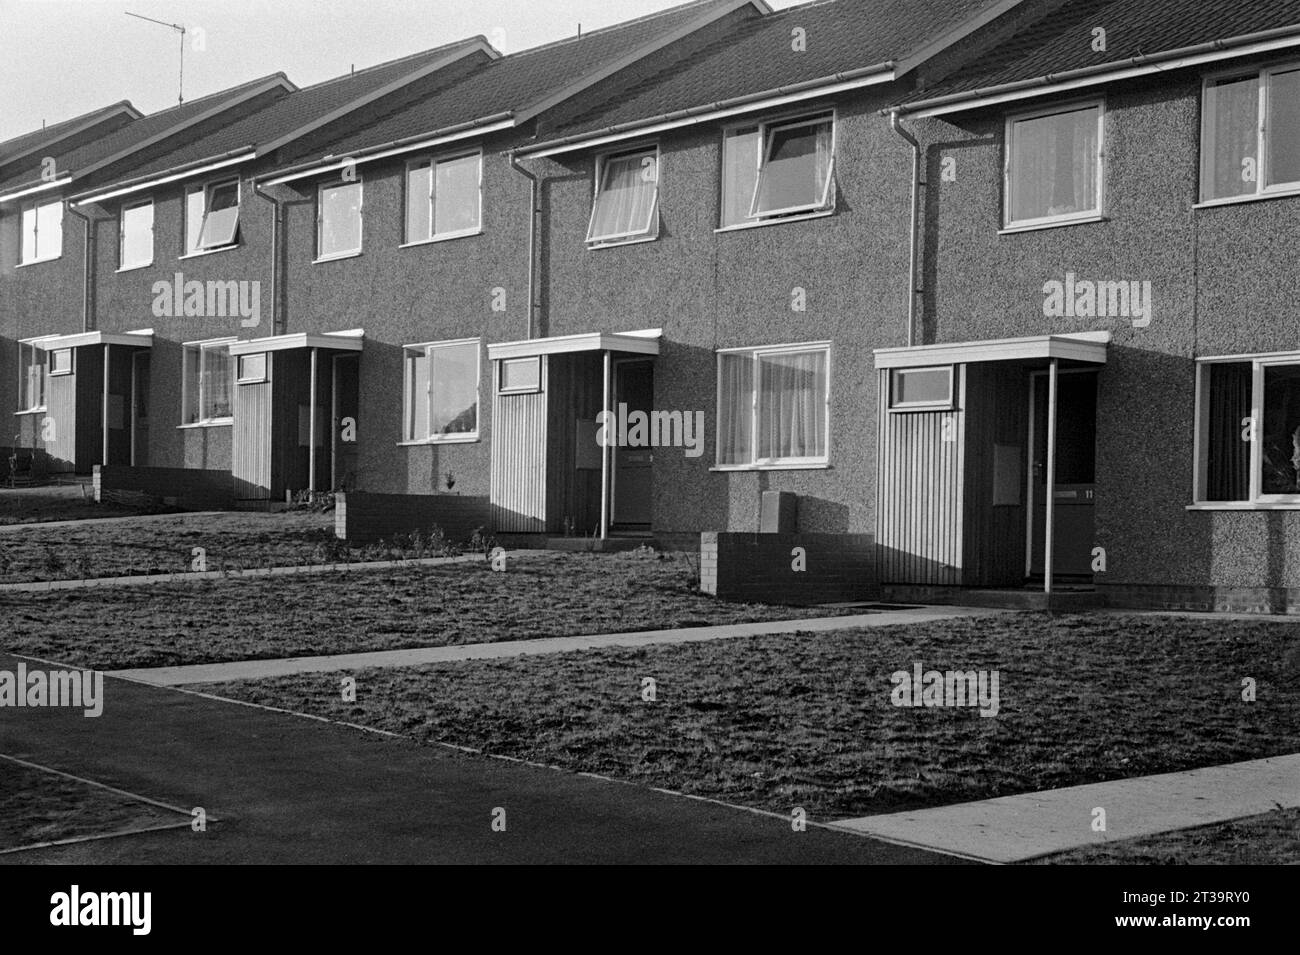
[540, 594]
[1270, 839]
[38, 807]
[73, 502]
[775, 722]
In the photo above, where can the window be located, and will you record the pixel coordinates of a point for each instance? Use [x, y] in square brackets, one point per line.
[1249, 430]
[778, 169]
[212, 216]
[920, 389]
[338, 220]
[520, 376]
[61, 361]
[440, 392]
[443, 197]
[31, 376]
[135, 241]
[1250, 134]
[625, 206]
[1053, 165]
[207, 382]
[251, 369]
[773, 406]
[42, 225]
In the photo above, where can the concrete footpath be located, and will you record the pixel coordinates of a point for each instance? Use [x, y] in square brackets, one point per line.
[293, 790]
[1017, 828]
[258, 669]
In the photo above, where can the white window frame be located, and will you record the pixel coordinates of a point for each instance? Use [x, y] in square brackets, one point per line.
[945, 404]
[122, 265]
[72, 362]
[794, 213]
[35, 207]
[523, 390]
[756, 463]
[651, 231]
[432, 162]
[242, 379]
[36, 345]
[427, 348]
[207, 189]
[1256, 499]
[1008, 150]
[202, 346]
[361, 216]
[1262, 189]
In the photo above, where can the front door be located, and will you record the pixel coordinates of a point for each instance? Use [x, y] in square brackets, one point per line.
[634, 387]
[1076, 459]
[140, 408]
[345, 387]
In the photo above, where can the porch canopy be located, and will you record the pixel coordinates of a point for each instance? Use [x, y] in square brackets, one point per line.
[1081, 348]
[642, 342]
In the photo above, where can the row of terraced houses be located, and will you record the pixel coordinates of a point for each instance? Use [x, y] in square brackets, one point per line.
[962, 294]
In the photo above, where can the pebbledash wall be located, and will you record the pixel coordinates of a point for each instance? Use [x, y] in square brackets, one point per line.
[709, 290]
[1224, 281]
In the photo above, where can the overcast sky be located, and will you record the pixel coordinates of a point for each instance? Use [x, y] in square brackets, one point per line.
[61, 58]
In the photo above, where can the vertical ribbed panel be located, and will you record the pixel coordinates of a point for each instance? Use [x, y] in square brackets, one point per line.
[251, 440]
[519, 459]
[60, 418]
[919, 520]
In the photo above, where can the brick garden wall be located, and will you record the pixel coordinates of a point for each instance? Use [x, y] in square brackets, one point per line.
[760, 567]
[192, 489]
[364, 518]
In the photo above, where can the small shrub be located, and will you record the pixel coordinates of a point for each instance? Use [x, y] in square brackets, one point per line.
[482, 542]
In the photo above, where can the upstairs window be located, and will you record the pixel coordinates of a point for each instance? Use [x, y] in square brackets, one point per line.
[42, 228]
[212, 217]
[1053, 165]
[626, 204]
[774, 406]
[338, 220]
[1250, 134]
[135, 236]
[207, 382]
[778, 169]
[440, 392]
[443, 197]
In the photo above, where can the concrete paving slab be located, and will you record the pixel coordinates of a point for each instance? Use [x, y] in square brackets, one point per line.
[1017, 828]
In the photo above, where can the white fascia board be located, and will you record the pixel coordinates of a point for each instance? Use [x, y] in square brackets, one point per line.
[637, 343]
[339, 164]
[1088, 347]
[340, 341]
[194, 173]
[33, 190]
[82, 339]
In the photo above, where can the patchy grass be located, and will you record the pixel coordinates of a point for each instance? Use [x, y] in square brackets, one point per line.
[73, 502]
[807, 720]
[231, 541]
[539, 595]
[38, 807]
[1269, 839]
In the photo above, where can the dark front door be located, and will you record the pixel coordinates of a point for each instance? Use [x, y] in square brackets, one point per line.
[140, 409]
[1076, 460]
[346, 392]
[633, 387]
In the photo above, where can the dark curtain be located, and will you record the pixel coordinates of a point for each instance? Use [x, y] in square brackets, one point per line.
[1229, 471]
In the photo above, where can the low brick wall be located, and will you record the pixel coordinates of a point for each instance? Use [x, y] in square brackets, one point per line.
[362, 518]
[192, 489]
[1205, 599]
[761, 567]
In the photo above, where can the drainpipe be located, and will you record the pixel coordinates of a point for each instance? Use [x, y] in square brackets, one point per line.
[277, 313]
[87, 269]
[533, 218]
[915, 240]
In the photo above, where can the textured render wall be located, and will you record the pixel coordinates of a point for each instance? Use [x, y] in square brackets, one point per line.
[710, 290]
[1223, 280]
[432, 292]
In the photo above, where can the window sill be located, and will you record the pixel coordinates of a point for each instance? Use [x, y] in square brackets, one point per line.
[335, 257]
[212, 423]
[594, 244]
[722, 468]
[445, 439]
[40, 410]
[440, 238]
[1252, 197]
[782, 220]
[203, 252]
[1246, 506]
[1053, 224]
[52, 258]
[135, 268]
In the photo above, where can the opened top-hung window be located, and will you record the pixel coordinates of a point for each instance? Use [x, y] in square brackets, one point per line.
[42, 232]
[1054, 165]
[339, 219]
[136, 236]
[443, 197]
[625, 206]
[778, 169]
[212, 216]
[441, 391]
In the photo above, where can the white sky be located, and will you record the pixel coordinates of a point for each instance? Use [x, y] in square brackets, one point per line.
[61, 58]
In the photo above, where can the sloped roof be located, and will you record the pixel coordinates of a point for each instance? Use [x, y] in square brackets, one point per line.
[39, 139]
[1061, 41]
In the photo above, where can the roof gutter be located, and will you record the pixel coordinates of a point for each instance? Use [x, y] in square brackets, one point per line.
[693, 115]
[1243, 45]
[183, 171]
[32, 190]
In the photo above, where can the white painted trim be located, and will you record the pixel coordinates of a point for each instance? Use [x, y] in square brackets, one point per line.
[194, 173]
[637, 343]
[340, 341]
[43, 187]
[82, 339]
[1088, 347]
[1008, 145]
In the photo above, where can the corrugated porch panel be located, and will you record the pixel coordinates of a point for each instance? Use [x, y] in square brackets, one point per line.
[919, 522]
[519, 458]
[58, 425]
[251, 440]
